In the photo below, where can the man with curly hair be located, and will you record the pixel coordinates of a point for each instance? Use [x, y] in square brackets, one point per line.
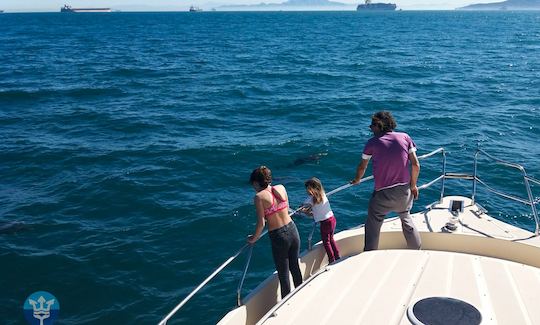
[395, 185]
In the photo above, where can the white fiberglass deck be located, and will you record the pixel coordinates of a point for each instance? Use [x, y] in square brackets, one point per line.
[472, 221]
[377, 288]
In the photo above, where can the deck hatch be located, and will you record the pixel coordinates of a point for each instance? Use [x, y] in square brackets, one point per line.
[456, 206]
[443, 310]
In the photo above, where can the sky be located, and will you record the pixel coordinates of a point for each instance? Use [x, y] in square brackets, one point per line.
[182, 5]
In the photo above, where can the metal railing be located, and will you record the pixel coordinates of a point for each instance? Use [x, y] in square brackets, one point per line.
[530, 201]
[443, 172]
[444, 175]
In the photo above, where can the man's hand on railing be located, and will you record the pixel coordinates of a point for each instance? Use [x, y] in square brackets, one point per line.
[354, 181]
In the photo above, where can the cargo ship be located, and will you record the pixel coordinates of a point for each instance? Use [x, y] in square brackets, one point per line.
[376, 6]
[67, 8]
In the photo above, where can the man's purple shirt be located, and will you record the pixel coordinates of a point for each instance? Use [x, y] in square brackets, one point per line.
[390, 158]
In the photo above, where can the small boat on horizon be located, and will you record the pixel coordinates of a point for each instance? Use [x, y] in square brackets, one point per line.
[368, 5]
[194, 9]
[68, 8]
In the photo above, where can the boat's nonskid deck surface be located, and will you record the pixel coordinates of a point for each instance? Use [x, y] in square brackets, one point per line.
[377, 288]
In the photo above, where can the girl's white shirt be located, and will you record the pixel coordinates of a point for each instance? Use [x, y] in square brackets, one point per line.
[321, 211]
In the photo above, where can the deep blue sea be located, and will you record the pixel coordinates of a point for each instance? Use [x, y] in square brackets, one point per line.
[127, 139]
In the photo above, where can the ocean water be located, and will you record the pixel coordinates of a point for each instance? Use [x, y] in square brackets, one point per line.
[127, 139]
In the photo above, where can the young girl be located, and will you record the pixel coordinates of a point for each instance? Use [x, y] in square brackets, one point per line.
[317, 205]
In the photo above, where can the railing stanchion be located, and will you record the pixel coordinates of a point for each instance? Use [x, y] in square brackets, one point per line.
[210, 277]
[533, 203]
[310, 237]
[241, 284]
[475, 176]
[444, 175]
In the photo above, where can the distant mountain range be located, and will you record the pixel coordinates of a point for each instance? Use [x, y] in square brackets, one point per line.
[505, 5]
[292, 3]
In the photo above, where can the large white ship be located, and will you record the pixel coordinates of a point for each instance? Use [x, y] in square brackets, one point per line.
[67, 8]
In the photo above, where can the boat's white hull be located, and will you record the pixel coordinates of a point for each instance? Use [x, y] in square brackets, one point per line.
[483, 261]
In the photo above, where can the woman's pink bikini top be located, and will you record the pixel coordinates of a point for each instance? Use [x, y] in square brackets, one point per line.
[274, 207]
